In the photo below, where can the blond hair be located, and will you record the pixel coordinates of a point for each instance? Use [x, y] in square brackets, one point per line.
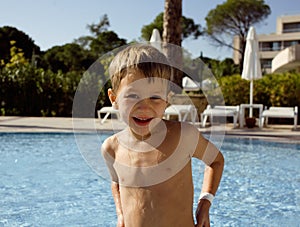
[141, 57]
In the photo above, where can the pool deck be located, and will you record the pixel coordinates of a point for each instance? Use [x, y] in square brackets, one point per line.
[59, 124]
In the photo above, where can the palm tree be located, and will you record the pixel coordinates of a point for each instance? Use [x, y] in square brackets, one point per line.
[172, 34]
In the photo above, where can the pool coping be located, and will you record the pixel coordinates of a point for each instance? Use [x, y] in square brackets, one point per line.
[17, 124]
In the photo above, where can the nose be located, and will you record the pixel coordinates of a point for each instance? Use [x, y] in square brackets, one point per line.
[143, 104]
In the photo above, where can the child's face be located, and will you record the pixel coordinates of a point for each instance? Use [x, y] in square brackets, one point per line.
[141, 101]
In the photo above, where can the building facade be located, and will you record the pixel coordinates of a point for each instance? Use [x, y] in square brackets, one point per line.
[279, 51]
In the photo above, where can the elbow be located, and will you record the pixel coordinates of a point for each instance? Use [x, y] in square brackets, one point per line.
[114, 186]
[219, 162]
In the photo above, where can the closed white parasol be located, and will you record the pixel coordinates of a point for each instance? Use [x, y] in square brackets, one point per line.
[251, 66]
[155, 39]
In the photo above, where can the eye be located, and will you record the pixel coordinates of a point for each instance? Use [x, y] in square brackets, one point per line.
[132, 96]
[155, 97]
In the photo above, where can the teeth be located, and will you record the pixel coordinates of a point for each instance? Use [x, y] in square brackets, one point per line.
[142, 118]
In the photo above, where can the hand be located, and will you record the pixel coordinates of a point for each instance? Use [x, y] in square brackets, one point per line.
[202, 214]
[120, 221]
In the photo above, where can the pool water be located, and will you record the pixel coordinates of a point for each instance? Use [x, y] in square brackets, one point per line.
[46, 182]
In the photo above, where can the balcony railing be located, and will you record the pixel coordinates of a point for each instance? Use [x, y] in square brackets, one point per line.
[290, 30]
[270, 48]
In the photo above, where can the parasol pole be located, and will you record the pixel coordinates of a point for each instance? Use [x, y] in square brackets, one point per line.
[251, 99]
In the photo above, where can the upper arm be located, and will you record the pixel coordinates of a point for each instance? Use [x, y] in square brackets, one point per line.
[206, 151]
[108, 153]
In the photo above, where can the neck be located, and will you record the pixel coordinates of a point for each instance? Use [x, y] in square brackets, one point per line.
[144, 143]
[140, 137]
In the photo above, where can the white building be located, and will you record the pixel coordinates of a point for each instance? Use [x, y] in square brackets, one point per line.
[279, 51]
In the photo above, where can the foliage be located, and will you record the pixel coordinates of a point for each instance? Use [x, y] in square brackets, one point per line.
[221, 68]
[189, 28]
[157, 23]
[17, 57]
[234, 18]
[30, 91]
[80, 55]
[44, 84]
[101, 39]
[26, 90]
[69, 57]
[280, 89]
[271, 90]
[20, 41]
[105, 42]
[235, 90]
[102, 26]
[48, 88]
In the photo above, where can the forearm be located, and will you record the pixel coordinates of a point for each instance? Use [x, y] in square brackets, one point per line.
[211, 181]
[116, 195]
[212, 175]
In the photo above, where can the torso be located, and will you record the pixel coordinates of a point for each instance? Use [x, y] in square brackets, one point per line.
[157, 191]
[166, 204]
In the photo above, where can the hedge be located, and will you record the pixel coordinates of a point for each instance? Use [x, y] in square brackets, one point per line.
[271, 90]
[28, 91]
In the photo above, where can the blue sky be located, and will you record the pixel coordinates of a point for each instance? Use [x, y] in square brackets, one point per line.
[56, 22]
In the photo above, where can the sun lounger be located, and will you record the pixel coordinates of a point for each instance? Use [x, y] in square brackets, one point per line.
[220, 111]
[280, 112]
[182, 112]
[107, 110]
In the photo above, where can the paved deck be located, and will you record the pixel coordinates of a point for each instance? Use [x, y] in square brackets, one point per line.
[60, 124]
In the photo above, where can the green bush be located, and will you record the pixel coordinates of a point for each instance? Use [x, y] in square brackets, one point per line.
[29, 91]
[271, 90]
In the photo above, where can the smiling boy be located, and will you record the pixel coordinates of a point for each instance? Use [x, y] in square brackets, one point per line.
[150, 160]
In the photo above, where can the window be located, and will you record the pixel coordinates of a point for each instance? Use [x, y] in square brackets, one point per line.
[276, 46]
[291, 27]
[266, 63]
[290, 43]
[270, 46]
[265, 46]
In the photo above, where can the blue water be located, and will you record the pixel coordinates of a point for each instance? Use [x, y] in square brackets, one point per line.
[46, 182]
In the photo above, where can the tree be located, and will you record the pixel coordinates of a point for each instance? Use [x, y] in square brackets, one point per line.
[20, 40]
[101, 39]
[102, 26]
[172, 31]
[234, 18]
[104, 42]
[171, 28]
[66, 58]
[188, 26]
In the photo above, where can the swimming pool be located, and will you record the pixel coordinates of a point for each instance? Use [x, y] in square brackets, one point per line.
[46, 182]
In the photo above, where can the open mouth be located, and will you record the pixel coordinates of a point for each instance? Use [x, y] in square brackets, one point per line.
[142, 121]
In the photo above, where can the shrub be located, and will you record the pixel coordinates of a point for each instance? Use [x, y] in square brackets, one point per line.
[271, 90]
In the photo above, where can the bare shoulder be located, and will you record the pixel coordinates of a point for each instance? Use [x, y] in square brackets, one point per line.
[178, 125]
[109, 145]
[191, 139]
[183, 128]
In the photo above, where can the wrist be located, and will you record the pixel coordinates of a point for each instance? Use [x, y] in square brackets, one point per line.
[206, 196]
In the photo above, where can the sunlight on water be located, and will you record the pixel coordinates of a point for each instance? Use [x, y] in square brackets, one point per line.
[46, 182]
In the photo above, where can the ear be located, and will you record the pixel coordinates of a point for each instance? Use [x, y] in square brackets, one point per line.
[169, 97]
[112, 97]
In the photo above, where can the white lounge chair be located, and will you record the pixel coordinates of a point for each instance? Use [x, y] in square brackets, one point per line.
[280, 112]
[107, 110]
[191, 85]
[182, 112]
[220, 111]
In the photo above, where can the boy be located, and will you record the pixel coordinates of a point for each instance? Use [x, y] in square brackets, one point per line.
[150, 160]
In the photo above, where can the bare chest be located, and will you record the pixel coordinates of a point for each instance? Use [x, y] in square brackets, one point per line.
[169, 201]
